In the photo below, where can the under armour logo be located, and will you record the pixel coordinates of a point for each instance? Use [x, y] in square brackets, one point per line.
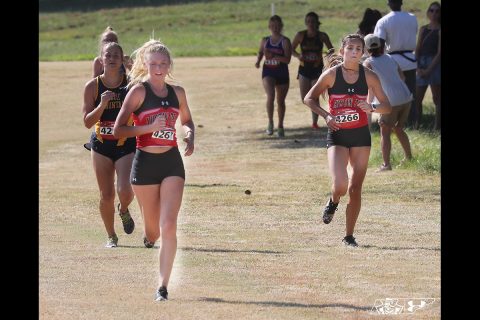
[164, 103]
[351, 90]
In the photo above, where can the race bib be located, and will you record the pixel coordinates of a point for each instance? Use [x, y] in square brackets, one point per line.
[349, 117]
[312, 57]
[272, 62]
[164, 135]
[106, 128]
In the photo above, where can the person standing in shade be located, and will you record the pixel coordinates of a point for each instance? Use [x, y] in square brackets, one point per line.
[102, 99]
[429, 68]
[158, 174]
[391, 78]
[399, 31]
[348, 139]
[311, 43]
[277, 50]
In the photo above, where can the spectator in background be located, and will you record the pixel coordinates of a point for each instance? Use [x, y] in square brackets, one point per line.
[277, 50]
[391, 78]
[369, 20]
[428, 55]
[311, 43]
[398, 30]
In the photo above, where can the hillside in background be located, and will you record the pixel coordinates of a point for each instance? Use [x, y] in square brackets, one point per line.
[69, 30]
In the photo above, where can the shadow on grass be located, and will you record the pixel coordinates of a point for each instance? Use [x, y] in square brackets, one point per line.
[213, 185]
[137, 247]
[303, 137]
[231, 250]
[399, 248]
[286, 304]
[426, 124]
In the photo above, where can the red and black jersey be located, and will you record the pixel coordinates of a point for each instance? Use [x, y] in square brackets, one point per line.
[152, 107]
[104, 127]
[344, 98]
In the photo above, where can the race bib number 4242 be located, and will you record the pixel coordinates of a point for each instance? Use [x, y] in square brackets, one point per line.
[164, 135]
[343, 118]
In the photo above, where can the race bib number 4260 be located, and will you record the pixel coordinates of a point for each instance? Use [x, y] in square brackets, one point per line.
[164, 135]
[343, 118]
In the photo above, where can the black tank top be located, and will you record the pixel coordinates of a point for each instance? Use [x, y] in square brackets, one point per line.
[111, 111]
[311, 51]
[430, 42]
[340, 86]
[344, 98]
[152, 107]
[104, 126]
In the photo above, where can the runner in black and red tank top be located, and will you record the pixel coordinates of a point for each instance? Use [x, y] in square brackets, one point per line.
[275, 77]
[311, 43]
[103, 98]
[348, 139]
[158, 174]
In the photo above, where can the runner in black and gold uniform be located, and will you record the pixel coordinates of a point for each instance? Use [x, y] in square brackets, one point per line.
[311, 43]
[103, 97]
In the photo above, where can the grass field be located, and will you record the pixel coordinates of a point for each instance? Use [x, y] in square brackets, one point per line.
[261, 256]
[194, 28]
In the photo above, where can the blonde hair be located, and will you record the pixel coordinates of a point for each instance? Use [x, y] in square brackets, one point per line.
[139, 72]
[107, 33]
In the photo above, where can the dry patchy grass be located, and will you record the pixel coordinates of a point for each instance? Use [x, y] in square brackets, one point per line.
[261, 256]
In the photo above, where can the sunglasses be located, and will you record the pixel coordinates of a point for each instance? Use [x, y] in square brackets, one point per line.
[434, 10]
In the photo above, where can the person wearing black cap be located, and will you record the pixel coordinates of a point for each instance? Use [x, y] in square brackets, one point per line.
[391, 78]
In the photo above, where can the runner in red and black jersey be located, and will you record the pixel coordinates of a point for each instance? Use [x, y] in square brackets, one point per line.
[348, 139]
[103, 99]
[311, 43]
[158, 174]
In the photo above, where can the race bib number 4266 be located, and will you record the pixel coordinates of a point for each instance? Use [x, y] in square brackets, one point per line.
[343, 118]
[164, 135]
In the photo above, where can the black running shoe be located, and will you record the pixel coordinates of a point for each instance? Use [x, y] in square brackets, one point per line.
[329, 211]
[161, 294]
[127, 221]
[147, 243]
[350, 241]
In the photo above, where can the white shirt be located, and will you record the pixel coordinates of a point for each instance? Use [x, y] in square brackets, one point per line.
[399, 30]
[394, 87]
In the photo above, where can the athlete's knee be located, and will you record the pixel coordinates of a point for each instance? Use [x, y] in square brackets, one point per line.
[107, 195]
[125, 191]
[168, 228]
[355, 189]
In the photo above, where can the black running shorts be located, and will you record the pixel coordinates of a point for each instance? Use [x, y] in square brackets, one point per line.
[357, 137]
[152, 168]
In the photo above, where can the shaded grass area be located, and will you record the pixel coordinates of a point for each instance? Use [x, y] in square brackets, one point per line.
[425, 144]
